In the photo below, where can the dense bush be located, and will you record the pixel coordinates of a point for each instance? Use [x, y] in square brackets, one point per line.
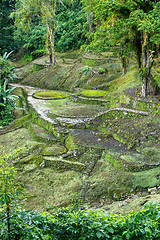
[87, 224]
[7, 28]
[7, 100]
[71, 27]
[6, 115]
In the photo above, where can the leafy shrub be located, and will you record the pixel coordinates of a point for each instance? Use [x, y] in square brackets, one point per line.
[75, 224]
[38, 53]
[6, 115]
[7, 100]
[70, 27]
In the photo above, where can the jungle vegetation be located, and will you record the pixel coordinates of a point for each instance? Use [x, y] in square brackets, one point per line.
[127, 29]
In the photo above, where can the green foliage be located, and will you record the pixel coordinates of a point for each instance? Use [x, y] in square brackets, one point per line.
[126, 27]
[76, 224]
[9, 191]
[27, 58]
[86, 69]
[102, 70]
[7, 42]
[6, 115]
[31, 19]
[7, 100]
[6, 69]
[70, 28]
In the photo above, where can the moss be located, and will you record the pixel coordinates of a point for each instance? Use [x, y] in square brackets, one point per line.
[89, 100]
[60, 164]
[125, 163]
[51, 186]
[117, 163]
[16, 124]
[94, 93]
[42, 123]
[36, 67]
[146, 179]
[27, 159]
[70, 143]
[132, 204]
[77, 111]
[29, 167]
[19, 139]
[129, 80]
[50, 95]
[40, 134]
[54, 150]
[56, 103]
[106, 180]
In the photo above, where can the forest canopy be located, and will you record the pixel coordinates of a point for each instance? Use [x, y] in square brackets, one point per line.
[126, 29]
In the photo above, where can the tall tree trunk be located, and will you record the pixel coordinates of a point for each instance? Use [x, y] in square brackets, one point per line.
[124, 65]
[90, 25]
[52, 52]
[148, 63]
[123, 56]
[145, 62]
[90, 21]
[137, 45]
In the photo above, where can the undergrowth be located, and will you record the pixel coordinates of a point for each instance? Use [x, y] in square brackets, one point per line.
[73, 223]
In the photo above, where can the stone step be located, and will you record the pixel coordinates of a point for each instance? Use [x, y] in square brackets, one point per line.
[59, 163]
[41, 134]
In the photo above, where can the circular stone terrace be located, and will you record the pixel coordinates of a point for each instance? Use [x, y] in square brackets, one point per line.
[48, 95]
[77, 111]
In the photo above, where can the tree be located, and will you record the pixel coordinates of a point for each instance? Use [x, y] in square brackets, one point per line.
[131, 27]
[32, 12]
[8, 101]
[9, 190]
[7, 42]
[70, 26]
[6, 69]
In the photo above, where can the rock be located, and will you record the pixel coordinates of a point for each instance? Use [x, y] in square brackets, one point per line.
[42, 165]
[123, 203]
[152, 190]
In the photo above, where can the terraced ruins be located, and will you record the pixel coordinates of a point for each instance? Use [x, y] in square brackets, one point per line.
[94, 144]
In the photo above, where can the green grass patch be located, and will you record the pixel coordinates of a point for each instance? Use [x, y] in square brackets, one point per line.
[77, 111]
[129, 80]
[94, 93]
[50, 95]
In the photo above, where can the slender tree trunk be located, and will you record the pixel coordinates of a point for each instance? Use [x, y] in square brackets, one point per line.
[144, 62]
[90, 25]
[148, 63]
[90, 21]
[8, 222]
[123, 56]
[51, 37]
[124, 65]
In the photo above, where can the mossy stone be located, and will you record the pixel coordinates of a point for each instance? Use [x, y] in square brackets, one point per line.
[54, 150]
[77, 111]
[47, 95]
[94, 93]
[61, 164]
[18, 139]
[41, 134]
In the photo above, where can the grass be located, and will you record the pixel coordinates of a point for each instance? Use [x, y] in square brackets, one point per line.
[94, 93]
[129, 80]
[77, 111]
[50, 95]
